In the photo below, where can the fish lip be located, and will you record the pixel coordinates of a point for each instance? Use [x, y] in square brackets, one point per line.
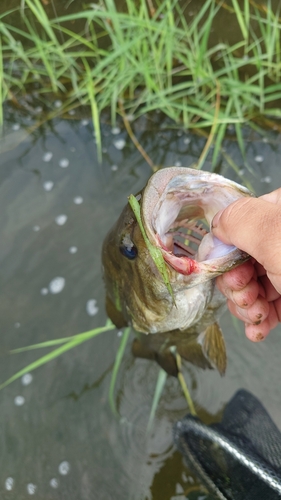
[188, 186]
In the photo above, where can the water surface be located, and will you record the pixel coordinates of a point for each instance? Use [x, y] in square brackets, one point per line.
[59, 438]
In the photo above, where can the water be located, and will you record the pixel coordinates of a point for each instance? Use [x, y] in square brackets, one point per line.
[59, 438]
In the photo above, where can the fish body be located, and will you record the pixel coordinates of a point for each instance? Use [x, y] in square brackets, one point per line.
[177, 207]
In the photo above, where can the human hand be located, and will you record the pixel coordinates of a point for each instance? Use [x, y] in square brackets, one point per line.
[253, 289]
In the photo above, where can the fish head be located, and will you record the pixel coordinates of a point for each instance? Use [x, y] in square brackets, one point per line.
[178, 206]
[135, 289]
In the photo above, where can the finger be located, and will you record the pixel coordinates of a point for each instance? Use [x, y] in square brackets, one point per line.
[275, 279]
[277, 306]
[255, 314]
[273, 197]
[257, 333]
[271, 293]
[237, 278]
[253, 225]
[260, 270]
[242, 298]
[247, 296]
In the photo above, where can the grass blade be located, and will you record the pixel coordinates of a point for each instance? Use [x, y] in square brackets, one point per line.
[161, 380]
[70, 344]
[155, 252]
[241, 19]
[117, 363]
[1, 88]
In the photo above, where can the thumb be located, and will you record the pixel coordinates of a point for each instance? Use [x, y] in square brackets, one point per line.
[253, 225]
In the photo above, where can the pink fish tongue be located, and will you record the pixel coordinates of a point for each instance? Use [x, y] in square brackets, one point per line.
[183, 265]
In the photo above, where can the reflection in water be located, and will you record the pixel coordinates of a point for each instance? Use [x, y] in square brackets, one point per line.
[109, 458]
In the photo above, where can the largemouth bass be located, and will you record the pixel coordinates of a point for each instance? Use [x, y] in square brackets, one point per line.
[177, 207]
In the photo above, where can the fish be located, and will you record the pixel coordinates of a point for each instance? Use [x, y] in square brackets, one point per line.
[176, 207]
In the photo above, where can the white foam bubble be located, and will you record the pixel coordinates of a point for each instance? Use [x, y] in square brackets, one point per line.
[115, 130]
[36, 228]
[19, 400]
[72, 112]
[44, 291]
[58, 103]
[54, 483]
[259, 158]
[84, 122]
[64, 468]
[120, 333]
[26, 379]
[9, 483]
[57, 285]
[114, 168]
[17, 325]
[64, 162]
[267, 179]
[48, 185]
[178, 164]
[16, 127]
[31, 488]
[61, 219]
[91, 307]
[47, 156]
[78, 200]
[119, 143]
[186, 140]
[73, 249]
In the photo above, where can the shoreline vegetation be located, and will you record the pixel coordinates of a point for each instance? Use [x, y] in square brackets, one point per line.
[149, 56]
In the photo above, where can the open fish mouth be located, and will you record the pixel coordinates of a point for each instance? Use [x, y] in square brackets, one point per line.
[177, 209]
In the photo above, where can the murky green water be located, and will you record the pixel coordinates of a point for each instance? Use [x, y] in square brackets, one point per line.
[59, 438]
[62, 441]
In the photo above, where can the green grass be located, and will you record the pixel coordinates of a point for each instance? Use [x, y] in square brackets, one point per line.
[68, 343]
[142, 61]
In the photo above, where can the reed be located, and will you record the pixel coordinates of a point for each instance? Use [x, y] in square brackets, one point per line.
[146, 58]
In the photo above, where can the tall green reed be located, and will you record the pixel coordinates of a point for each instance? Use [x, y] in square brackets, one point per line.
[149, 61]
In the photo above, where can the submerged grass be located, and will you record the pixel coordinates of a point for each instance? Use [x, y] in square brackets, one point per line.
[68, 343]
[75, 340]
[149, 57]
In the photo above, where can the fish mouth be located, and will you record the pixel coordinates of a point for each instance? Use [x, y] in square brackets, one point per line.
[178, 219]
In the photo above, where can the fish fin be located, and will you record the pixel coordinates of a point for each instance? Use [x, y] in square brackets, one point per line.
[213, 347]
[164, 358]
[167, 361]
[193, 353]
[113, 314]
[140, 350]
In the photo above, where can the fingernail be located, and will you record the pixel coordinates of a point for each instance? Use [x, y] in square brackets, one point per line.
[259, 337]
[215, 221]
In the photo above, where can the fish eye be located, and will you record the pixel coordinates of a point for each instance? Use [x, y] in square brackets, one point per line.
[130, 252]
[127, 247]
